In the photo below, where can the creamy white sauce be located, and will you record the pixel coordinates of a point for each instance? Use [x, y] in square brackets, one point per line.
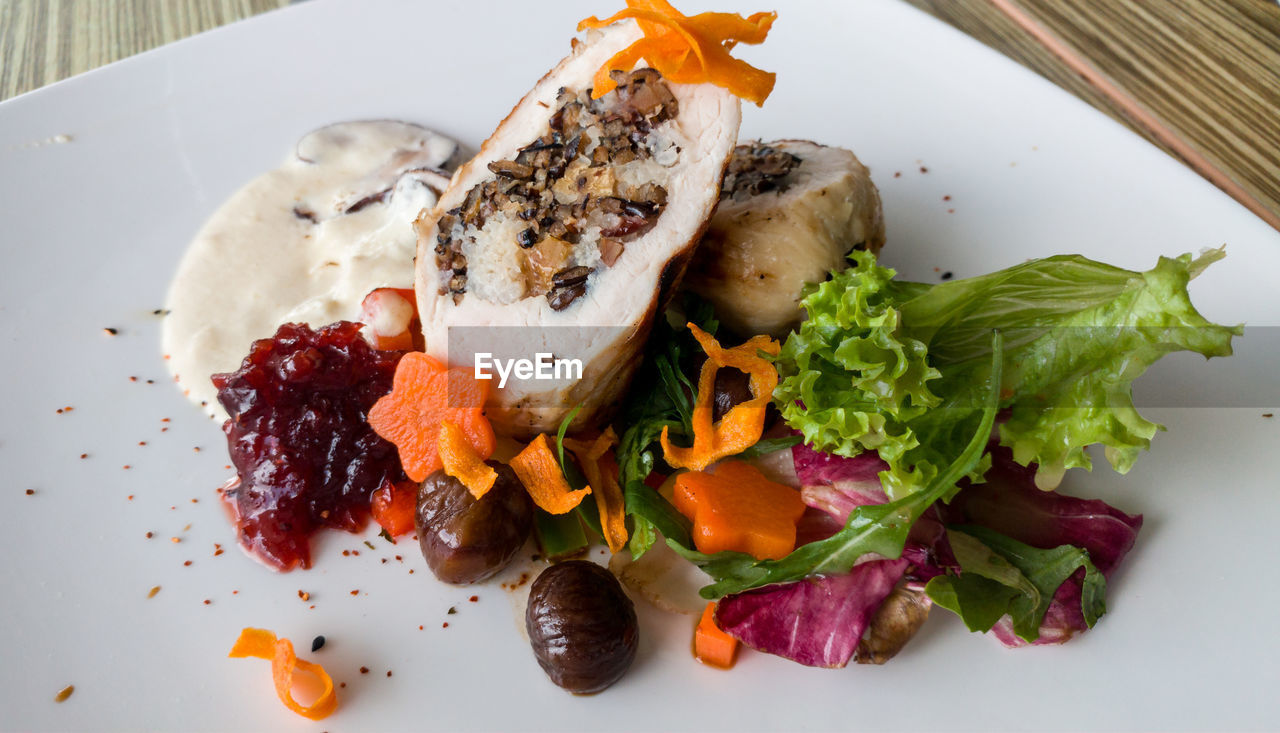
[282, 249]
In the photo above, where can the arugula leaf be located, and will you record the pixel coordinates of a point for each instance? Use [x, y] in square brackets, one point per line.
[587, 510]
[1000, 575]
[878, 528]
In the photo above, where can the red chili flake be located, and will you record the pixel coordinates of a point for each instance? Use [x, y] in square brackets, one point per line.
[304, 595]
[951, 211]
[923, 169]
[217, 552]
[59, 410]
[947, 197]
[31, 492]
[346, 553]
[355, 592]
[444, 625]
[164, 430]
[150, 535]
[388, 673]
[364, 670]
[175, 540]
[133, 379]
[473, 599]
[84, 456]
[897, 174]
[1268, 414]
[356, 553]
[227, 466]
[399, 558]
[411, 571]
[196, 449]
[152, 593]
[235, 592]
[195, 501]
[186, 528]
[342, 684]
[207, 601]
[127, 467]
[384, 561]
[142, 442]
[186, 564]
[130, 497]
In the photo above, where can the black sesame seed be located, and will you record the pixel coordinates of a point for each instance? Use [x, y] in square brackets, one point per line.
[317, 643]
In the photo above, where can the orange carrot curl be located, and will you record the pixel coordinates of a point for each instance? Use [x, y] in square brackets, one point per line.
[263, 644]
[601, 469]
[543, 478]
[743, 425]
[689, 49]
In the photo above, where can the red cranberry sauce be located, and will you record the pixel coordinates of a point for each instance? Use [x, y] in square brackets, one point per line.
[305, 456]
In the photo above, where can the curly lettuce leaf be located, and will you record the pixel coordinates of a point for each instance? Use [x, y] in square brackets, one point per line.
[850, 380]
[1077, 334]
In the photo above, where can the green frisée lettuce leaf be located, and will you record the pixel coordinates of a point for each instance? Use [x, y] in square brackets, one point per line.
[999, 575]
[900, 368]
[873, 528]
[851, 380]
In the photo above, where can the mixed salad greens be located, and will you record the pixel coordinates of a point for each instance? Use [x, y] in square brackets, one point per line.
[936, 421]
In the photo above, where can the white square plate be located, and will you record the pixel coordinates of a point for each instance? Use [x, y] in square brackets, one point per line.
[94, 223]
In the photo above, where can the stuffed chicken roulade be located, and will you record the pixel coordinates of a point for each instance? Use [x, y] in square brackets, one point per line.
[572, 225]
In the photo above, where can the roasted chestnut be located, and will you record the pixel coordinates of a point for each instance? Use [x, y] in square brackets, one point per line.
[582, 627]
[466, 540]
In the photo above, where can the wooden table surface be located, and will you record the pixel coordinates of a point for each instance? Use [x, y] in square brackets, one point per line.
[1199, 78]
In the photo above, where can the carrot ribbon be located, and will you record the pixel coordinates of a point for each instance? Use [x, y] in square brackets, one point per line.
[689, 49]
[743, 425]
[263, 644]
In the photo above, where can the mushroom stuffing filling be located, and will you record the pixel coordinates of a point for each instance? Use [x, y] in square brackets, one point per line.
[568, 203]
[757, 168]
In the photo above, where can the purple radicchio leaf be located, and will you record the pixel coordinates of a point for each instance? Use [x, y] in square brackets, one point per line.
[817, 621]
[837, 485]
[1010, 503]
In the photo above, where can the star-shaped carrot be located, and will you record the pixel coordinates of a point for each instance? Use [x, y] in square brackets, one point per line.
[424, 395]
[736, 508]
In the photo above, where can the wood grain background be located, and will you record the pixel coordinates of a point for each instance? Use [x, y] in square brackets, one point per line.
[1200, 78]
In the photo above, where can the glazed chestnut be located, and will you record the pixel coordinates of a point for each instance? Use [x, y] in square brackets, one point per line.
[582, 627]
[732, 387]
[465, 540]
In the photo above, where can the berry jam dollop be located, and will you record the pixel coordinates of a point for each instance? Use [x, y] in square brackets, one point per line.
[305, 456]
